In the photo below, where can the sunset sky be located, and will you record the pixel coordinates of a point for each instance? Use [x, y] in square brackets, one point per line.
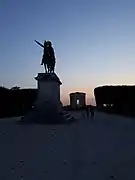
[94, 41]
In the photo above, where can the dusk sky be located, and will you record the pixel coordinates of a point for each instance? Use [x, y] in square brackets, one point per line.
[94, 41]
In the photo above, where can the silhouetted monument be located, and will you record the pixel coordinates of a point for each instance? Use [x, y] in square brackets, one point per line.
[48, 59]
[77, 99]
[48, 104]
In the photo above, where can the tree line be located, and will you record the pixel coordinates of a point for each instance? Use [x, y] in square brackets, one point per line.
[16, 101]
[117, 99]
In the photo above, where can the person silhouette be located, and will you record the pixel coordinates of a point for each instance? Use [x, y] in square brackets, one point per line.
[87, 111]
[92, 111]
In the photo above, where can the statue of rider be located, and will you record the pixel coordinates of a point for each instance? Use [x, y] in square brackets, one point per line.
[48, 59]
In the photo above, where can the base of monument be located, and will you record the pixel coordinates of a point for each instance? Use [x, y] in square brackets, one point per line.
[44, 113]
[47, 114]
[48, 118]
[48, 107]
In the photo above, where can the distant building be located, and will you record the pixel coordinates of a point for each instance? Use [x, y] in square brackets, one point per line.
[77, 99]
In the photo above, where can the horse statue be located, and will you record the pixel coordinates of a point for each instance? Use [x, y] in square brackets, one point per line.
[48, 59]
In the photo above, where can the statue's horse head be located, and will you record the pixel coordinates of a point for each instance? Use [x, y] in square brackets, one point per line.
[45, 43]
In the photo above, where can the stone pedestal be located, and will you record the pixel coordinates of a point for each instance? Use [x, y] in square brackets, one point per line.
[48, 90]
[48, 106]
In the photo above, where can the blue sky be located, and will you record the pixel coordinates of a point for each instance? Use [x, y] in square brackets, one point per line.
[94, 41]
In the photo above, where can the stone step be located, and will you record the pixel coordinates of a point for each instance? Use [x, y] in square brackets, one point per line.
[68, 116]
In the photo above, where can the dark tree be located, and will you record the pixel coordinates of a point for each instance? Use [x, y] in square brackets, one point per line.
[16, 101]
[120, 99]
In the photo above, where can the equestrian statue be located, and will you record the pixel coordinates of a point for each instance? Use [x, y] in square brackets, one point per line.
[48, 59]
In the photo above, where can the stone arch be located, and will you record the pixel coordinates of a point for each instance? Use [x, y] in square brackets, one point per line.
[77, 99]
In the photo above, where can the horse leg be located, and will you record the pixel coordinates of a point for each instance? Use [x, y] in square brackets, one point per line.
[48, 68]
[45, 68]
[52, 69]
[53, 64]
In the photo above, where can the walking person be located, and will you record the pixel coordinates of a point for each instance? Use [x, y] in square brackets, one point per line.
[87, 112]
[92, 111]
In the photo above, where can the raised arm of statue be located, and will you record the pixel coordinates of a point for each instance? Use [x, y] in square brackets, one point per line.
[39, 44]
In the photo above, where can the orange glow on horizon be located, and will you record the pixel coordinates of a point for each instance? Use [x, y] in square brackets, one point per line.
[66, 91]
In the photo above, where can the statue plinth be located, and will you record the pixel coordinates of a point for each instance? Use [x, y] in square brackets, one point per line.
[48, 107]
[48, 89]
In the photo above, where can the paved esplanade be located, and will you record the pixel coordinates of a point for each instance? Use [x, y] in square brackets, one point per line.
[99, 150]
